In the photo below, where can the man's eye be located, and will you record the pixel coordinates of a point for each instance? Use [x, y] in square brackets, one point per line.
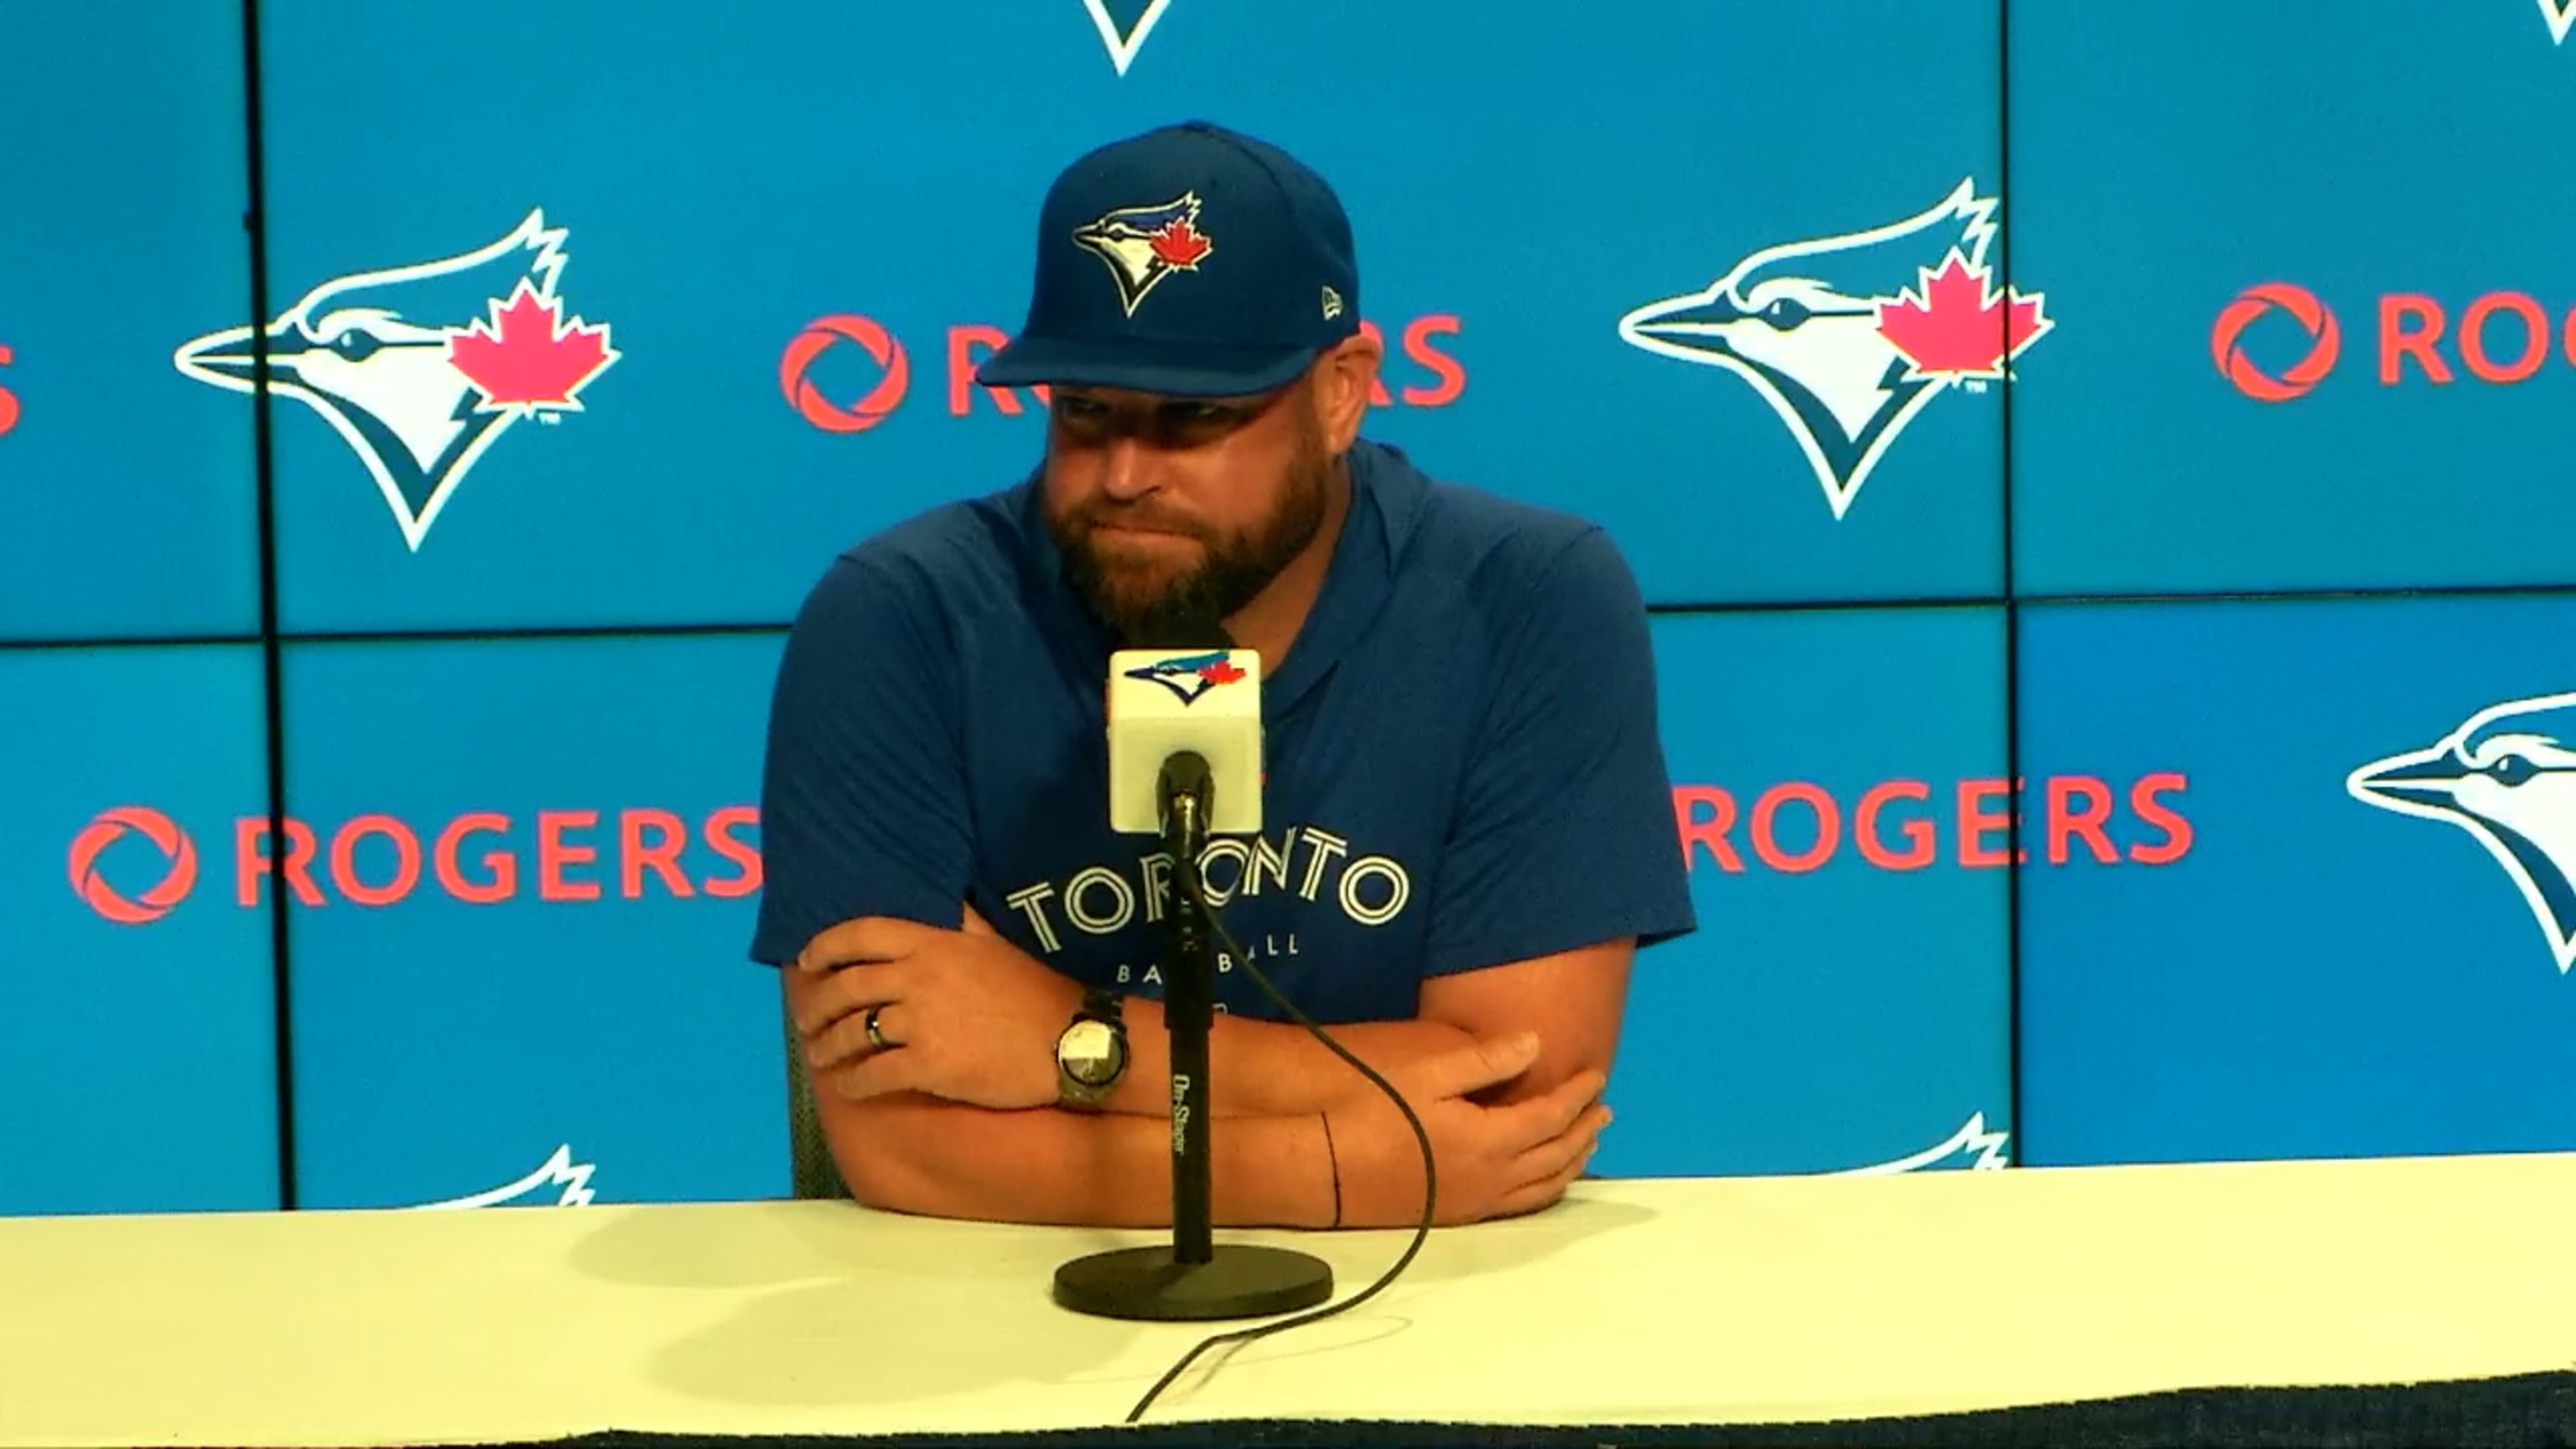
[1197, 418]
[1081, 415]
[1170, 424]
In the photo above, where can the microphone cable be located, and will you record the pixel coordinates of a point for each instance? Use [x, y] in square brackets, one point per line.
[1430, 1177]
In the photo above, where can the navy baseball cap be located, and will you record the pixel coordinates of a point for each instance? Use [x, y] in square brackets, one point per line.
[1188, 260]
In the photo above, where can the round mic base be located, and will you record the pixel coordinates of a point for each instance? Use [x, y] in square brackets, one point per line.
[1239, 1281]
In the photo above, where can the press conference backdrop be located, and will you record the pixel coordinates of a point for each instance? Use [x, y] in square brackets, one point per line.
[2097, 469]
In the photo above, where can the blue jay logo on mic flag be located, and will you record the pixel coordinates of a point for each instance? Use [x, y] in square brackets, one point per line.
[2508, 777]
[1190, 675]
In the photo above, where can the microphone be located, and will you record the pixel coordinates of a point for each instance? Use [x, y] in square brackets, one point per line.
[1184, 726]
[1185, 761]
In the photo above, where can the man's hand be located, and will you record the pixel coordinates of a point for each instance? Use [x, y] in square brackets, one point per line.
[1493, 1161]
[965, 1014]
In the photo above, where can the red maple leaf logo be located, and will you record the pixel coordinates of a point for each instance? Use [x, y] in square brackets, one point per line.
[530, 357]
[1181, 244]
[1954, 328]
[1224, 671]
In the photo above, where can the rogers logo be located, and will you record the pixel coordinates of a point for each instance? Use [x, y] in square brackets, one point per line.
[2325, 341]
[8, 399]
[178, 854]
[479, 857]
[821, 335]
[888, 371]
[1797, 826]
[2499, 337]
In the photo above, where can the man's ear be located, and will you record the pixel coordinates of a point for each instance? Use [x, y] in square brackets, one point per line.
[1344, 377]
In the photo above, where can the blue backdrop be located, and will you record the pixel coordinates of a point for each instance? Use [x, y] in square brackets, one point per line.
[2093, 466]
[2362, 951]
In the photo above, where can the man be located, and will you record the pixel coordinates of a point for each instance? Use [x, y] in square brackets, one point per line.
[1468, 827]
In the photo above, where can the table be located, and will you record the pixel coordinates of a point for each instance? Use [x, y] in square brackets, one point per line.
[1741, 1302]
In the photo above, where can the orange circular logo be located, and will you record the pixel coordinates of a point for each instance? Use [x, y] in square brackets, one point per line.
[820, 336]
[2325, 341]
[177, 878]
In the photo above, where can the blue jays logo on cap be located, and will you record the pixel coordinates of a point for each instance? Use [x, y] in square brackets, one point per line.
[1141, 245]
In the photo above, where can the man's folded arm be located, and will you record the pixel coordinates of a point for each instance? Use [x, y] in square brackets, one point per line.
[908, 1152]
[1573, 1000]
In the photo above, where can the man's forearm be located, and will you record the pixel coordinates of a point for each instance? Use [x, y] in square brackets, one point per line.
[1269, 1068]
[913, 1153]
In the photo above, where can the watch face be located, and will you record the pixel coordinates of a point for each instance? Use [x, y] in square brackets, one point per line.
[1091, 1052]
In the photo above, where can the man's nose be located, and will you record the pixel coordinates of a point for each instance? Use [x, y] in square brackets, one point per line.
[1129, 470]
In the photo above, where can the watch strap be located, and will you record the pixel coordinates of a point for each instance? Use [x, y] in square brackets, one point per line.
[1099, 1003]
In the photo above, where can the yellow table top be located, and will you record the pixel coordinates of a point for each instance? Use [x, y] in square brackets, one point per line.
[1676, 1301]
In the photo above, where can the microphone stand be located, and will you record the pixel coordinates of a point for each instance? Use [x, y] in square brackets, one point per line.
[1193, 1277]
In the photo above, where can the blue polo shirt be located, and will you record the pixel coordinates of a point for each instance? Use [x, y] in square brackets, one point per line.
[1464, 766]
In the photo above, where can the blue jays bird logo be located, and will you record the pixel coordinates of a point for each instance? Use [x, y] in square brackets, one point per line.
[420, 369]
[1125, 33]
[1850, 337]
[1973, 1137]
[568, 1180]
[2508, 777]
[1190, 675]
[1141, 245]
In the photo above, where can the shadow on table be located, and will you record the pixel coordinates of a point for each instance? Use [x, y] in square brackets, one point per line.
[881, 1307]
[717, 1246]
[850, 1321]
[1506, 1245]
[1359, 1259]
[855, 1342]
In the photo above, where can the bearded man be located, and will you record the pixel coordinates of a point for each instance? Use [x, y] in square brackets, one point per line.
[1468, 821]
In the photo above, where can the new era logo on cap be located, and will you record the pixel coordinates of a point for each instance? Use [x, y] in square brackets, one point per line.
[1144, 244]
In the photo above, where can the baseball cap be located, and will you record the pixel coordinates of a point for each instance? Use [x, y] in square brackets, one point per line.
[1188, 260]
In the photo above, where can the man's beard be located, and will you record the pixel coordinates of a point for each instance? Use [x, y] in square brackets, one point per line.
[1182, 611]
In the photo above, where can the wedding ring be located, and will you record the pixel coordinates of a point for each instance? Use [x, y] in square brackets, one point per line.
[876, 1038]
